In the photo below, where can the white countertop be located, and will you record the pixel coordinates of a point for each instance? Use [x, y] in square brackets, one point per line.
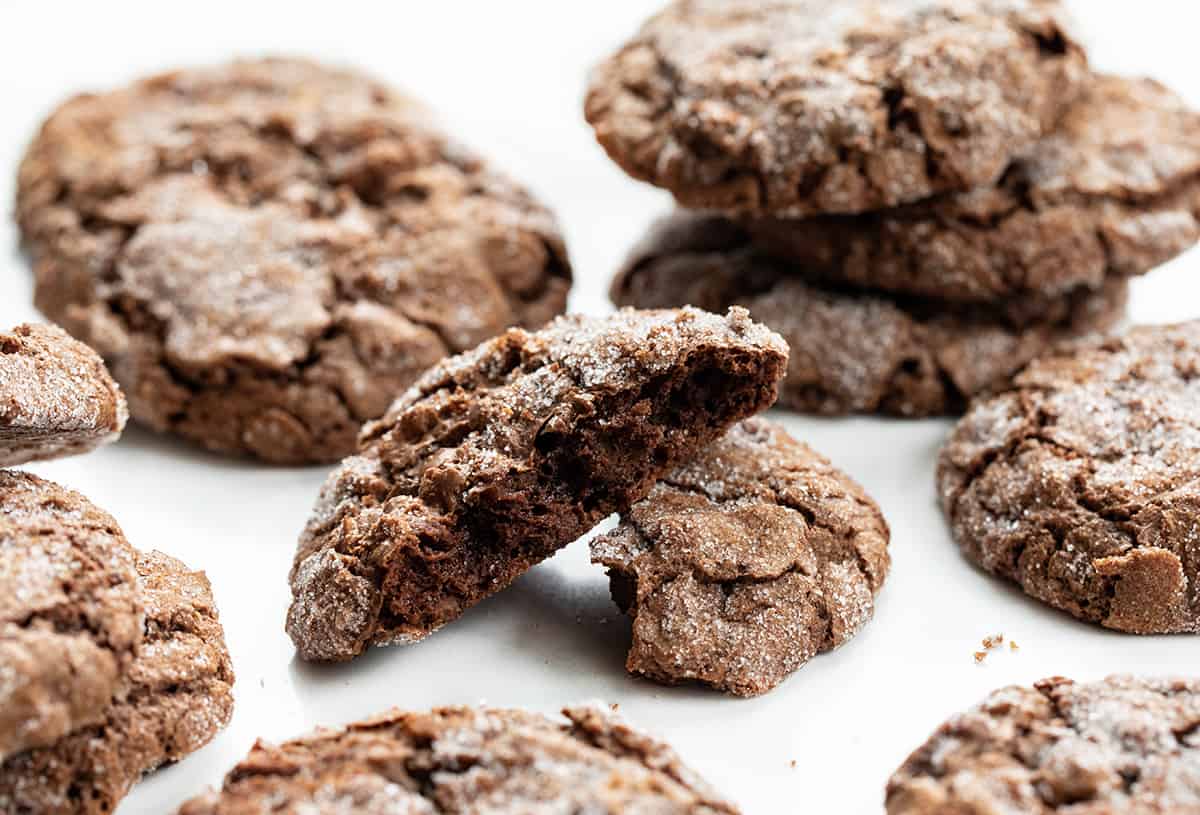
[509, 77]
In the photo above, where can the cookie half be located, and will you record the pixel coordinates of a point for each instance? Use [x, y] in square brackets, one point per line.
[1082, 482]
[744, 563]
[855, 351]
[178, 696]
[1121, 745]
[56, 397]
[71, 612]
[267, 253]
[499, 457]
[463, 760]
[803, 107]
[1112, 193]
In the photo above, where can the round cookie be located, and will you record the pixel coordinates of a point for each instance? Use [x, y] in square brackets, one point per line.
[1081, 483]
[466, 760]
[268, 252]
[179, 696]
[70, 612]
[854, 351]
[499, 457]
[803, 107]
[56, 397]
[1121, 745]
[745, 562]
[1112, 193]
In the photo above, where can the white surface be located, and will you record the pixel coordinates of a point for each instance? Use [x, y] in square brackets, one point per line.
[510, 76]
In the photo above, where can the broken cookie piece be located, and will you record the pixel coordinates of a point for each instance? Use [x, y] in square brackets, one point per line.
[745, 562]
[56, 397]
[464, 760]
[499, 457]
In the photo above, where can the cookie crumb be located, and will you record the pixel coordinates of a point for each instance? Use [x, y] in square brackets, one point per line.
[992, 642]
[980, 656]
[1012, 645]
[793, 763]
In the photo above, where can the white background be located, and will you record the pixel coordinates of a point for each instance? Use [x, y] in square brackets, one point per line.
[509, 78]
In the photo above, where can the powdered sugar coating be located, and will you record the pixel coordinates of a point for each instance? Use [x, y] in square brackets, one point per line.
[1122, 745]
[1113, 192]
[71, 612]
[268, 252]
[497, 458]
[856, 351]
[177, 695]
[804, 106]
[1082, 482]
[466, 760]
[745, 562]
[56, 397]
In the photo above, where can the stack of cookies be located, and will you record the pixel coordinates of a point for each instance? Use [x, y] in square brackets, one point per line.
[919, 195]
[112, 661]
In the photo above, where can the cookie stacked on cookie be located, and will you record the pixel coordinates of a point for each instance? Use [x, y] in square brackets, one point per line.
[112, 661]
[919, 195]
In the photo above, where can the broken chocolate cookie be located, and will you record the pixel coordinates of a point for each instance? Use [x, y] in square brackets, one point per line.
[745, 562]
[499, 457]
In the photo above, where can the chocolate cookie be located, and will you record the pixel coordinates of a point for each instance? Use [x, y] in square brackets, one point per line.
[745, 562]
[1114, 192]
[804, 106]
[854, 351]
[499, 457]
[268, 252]
[178, 697]
[1122, 745]
[70, 611]
[56, 397]
[1082, 482]
[466, 760]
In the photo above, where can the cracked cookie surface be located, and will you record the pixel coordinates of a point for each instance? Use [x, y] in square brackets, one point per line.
[745, 562]
[71, 611]
[466, 760]
[802, 107]
[177, 696]
[1082, 482]
[499, 457]
[854, 351]
[1121, 745]
[56, 397]
[1112, 193]
[268, 252]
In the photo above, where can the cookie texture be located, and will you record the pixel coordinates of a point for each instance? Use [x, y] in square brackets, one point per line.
[497, 458]
[854, 351]
[1082, 482]
[1112, 193]
[466, 760]
[268, 252]
[178, 697]
[56, 397]
[745, 562]
[71, 612]
[1121, 745]
[803, 107]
